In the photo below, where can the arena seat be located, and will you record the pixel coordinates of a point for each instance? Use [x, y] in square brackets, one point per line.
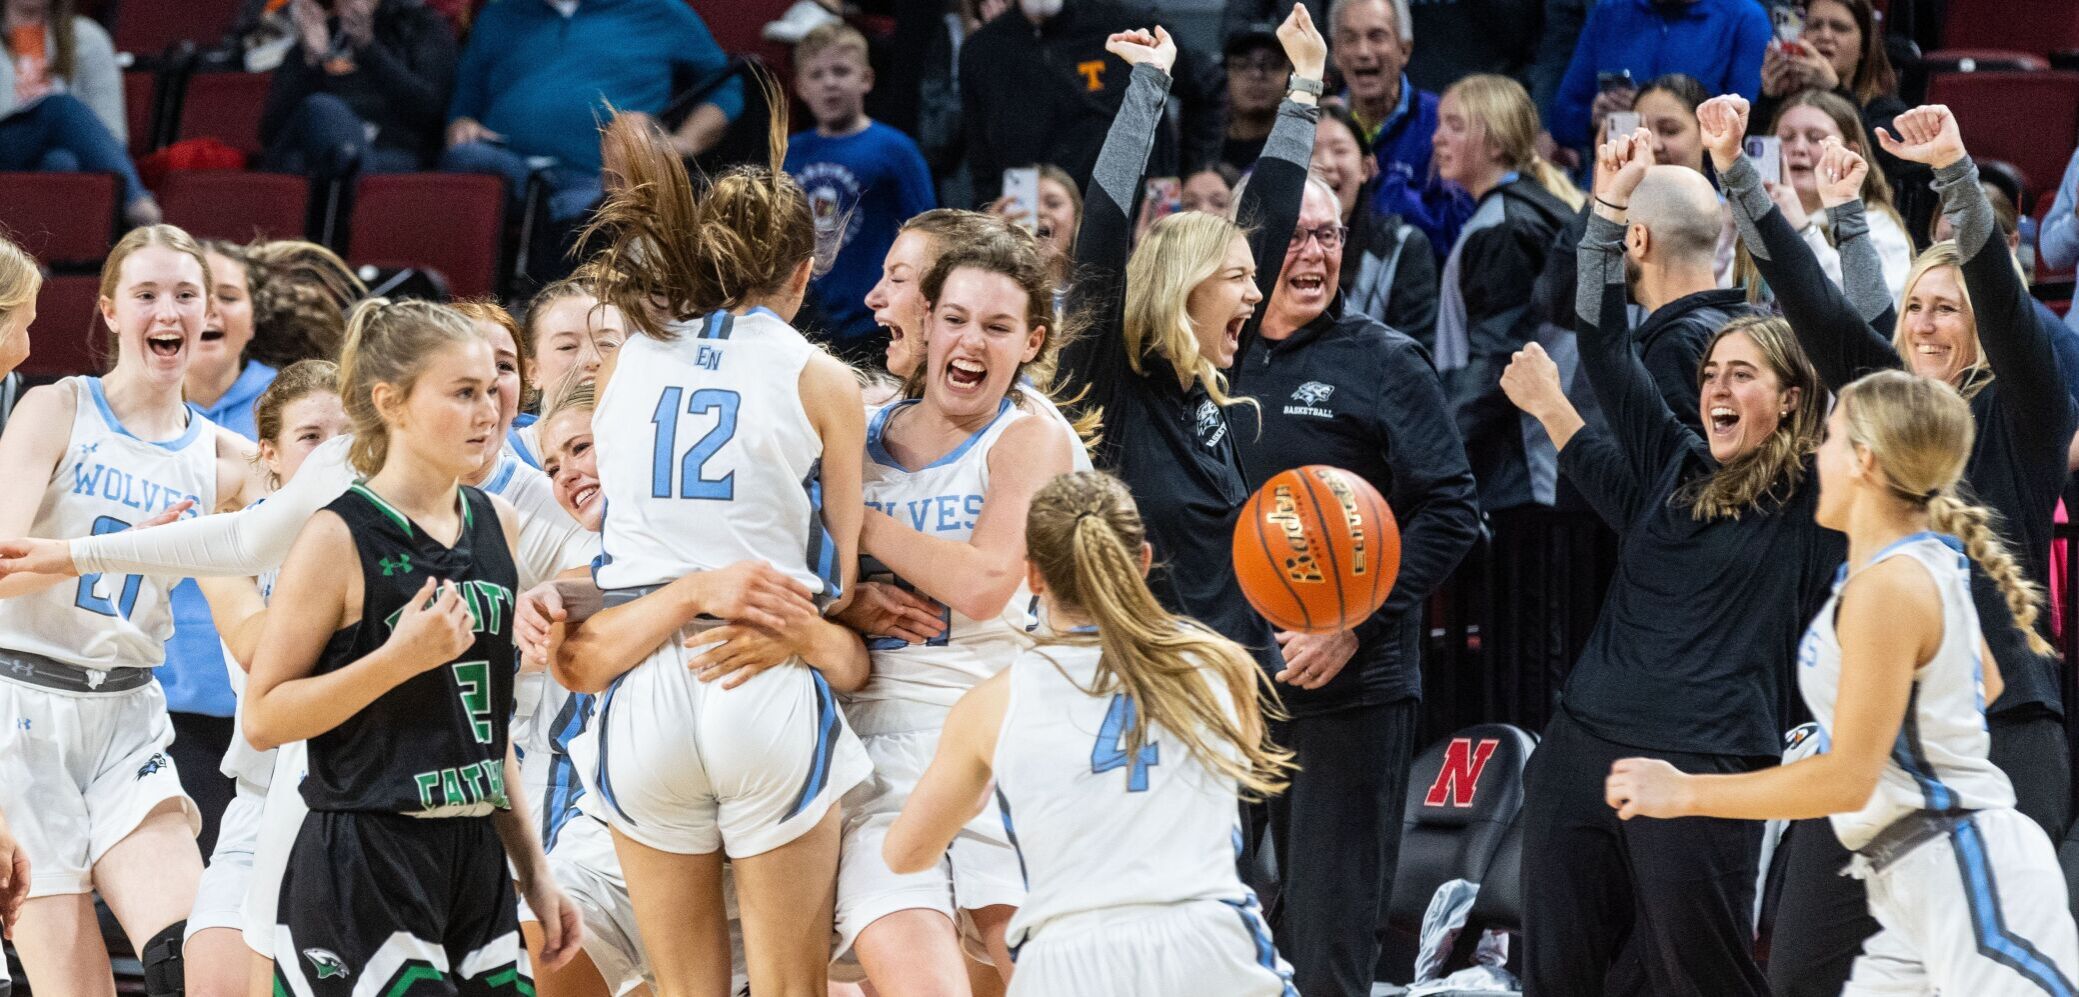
[1463, 795]
[2028, 119]
[59, 217]
[1500, 903]
[141, 110]
[451, 223]
[63, 339]
[226, 107]
[2038, 27]
[239, 207]
[150, 27]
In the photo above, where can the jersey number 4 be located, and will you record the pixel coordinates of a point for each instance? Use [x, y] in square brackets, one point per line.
[691, 467]
[91, 597]
[1110, 750]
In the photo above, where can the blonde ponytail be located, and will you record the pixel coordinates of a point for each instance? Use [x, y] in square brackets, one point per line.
[1085, 535]
[1973, 524]
[389, 343]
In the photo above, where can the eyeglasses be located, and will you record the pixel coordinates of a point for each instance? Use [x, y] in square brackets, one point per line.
[1330, 236]
[1260, 67]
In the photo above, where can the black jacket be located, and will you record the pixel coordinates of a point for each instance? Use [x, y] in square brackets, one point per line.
[1349, 392]
[399, 82]
[1047, 94]
[1390, 272]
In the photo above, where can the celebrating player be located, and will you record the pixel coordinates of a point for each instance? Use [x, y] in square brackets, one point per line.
[1129, 839]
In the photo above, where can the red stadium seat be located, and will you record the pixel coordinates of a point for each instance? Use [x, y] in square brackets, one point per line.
[59, 217]
[221, 204]
[2028, 119]
[2039, 27]
[66, 337]
[226, 107]
[140, 110]
[149, 27]
[451, 223]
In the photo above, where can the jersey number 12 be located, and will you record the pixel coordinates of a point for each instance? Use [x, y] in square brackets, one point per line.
[691, 468]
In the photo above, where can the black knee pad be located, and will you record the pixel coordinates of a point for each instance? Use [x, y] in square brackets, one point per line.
[163, 972]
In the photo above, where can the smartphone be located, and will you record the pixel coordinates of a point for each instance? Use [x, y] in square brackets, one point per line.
[1767, 153]
[1619, 80]
[1021, 186]
[1788, 21]
[1165, 197]
[1620, 123]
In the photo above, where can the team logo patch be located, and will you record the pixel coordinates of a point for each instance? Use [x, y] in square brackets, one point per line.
[326, 963]
[153, 764]
[1459, 780]
[398, 564]
[1313, 392]
[1211, 428]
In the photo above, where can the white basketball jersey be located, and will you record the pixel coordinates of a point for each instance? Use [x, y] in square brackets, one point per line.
[706, 456]
[942, 500]
[1939, 761]
[1036, 401]
[107, 481]
[1093, 828]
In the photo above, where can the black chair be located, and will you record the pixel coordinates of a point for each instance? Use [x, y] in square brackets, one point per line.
[1463, 795]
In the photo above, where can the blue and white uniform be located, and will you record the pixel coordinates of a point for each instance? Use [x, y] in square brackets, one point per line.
[1980, 908]
[220, 896]
[900, 711]
[1130, 861]
[82, 749]
[707, 457]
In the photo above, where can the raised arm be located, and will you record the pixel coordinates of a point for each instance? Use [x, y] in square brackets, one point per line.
[1269, 205]
[1841, 342]
[1840, 175]
[2017, 346]
[957, 784]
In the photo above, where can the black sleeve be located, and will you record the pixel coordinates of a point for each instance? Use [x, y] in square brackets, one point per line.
[1842, 344]
[416, 71]
[1098, 358]
[1674, 359]
[1412, 306]
[1434, 497]
[1554, 292]
[982, 162]
[1595, 464]
[2038, 409]
[1639, 419]
[294, 80]
[1269, 207]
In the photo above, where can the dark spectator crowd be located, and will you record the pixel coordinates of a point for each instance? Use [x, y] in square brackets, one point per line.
[1451, 181]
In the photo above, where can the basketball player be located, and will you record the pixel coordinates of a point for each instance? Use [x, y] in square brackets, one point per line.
[568, 328]
[1119, 749]
[20, 280]
[723, 435]
[84, 775]
[1967, 890]
[398, 676]
[950, 473]
[1720, 564]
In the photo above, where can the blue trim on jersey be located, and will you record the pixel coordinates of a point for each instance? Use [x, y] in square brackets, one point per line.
[762, 310]
[516, 445]
[522, 420]
[1266, 953]
[821, 556]
[564, 788]
[1003, 806]
[1907, 753]
[1989, 923]
[719, 325]
[500, 479]
[187, 436]
[879, 451]
[826, 746]
[606, 785]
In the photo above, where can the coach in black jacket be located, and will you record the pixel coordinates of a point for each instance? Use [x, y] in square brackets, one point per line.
[1337, 387]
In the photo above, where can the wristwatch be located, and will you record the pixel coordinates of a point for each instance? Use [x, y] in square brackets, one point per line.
[1300, 84]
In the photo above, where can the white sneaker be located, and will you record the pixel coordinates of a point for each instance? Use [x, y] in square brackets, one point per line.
[794, 25]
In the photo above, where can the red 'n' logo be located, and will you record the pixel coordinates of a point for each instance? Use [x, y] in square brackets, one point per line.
[1459, 779]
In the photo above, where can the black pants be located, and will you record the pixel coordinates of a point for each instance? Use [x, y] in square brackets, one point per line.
[1675, 896]
[1336, 833]
[199, 743]
[1824, 917]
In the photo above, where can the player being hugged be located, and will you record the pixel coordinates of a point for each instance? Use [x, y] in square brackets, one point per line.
[1120, 749]
[725, 441]
[95, 800]
[399, 675]
[1967, 891]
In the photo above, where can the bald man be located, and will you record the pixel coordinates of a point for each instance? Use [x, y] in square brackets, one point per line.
[1671, 225]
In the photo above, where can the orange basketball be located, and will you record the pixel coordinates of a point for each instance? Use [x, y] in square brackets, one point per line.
[1316, 550]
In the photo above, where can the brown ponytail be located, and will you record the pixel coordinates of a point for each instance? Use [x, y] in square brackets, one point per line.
[1085, 535]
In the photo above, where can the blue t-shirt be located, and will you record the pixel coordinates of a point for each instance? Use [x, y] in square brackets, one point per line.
[870, 183]
[1719, 42]
[194, 676]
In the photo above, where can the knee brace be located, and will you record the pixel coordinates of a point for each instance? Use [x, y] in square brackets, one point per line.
[164, 975]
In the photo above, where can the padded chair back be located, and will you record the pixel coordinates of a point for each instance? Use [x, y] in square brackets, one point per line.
[1500, 903]
[59, 217]
[2039, 27]
[452, 223]
[2028, 119]
[236, 206]
[66, 336]
[150, 27]
[1463, 794]
[226, 107]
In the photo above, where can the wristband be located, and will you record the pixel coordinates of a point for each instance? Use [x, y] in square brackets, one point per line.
[1611, 206]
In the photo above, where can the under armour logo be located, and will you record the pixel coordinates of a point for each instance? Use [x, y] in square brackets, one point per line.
[155, 763]
[397, 565]
[328, 965]
[1313, 393]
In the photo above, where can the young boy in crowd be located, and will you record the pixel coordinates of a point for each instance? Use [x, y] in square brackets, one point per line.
[863, 180]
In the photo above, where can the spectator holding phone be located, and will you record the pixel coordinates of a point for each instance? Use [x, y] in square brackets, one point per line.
[61, 100]
[362, 91]
[1371, 40]
[1717, 42]
[1388, 269]
[1056, 217]
[1804, 123]
[1838, 47]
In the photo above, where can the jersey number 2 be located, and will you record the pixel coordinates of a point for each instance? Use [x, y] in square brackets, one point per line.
[473, 683]
[1110, 750]
[90, 597]
[693, 481]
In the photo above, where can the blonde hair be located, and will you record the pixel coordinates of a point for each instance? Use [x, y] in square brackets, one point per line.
[573, 394]
[670, 252]
[389, 342]
[1920, 431]
[166, 236]
[1178, 253]
[20, 279]
[1772, 471]
[1974, 378]
[1084, 534]
[831, 36]
[1499, 110]
[301, 294]
[296, 381]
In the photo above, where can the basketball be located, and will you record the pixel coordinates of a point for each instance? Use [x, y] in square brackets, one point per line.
[1316, 550]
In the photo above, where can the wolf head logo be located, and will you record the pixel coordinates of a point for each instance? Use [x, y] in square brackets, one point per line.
[153, 764]
[327, 964]
[1313, 393]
